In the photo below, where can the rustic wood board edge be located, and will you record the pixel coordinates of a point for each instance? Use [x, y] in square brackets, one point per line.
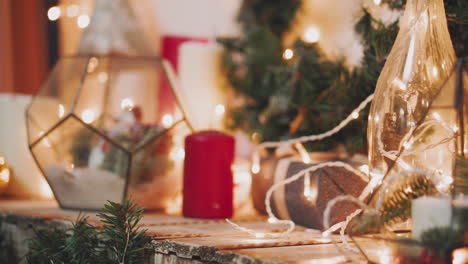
[204, 253]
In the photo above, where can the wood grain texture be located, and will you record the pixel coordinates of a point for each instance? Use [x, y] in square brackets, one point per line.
[183, 240]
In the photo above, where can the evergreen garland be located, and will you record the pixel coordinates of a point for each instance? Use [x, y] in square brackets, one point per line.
[309, 94]
[119, 241]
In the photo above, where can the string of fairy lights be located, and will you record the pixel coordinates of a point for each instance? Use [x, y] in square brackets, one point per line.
[72, 11]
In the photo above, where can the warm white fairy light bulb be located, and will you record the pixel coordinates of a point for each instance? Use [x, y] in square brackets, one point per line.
[303, 152]
[167, 120]
[311, 34]
[255, 163]
[54, 13]
[288, 54]
[83, 21]
[355, 115]
[219, 109]
[377, 2]
[61, 110]
[127, 104]
[88, 116]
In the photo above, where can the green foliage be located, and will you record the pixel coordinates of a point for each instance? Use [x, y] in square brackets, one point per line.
[119, 241]
[396, 206]
[308, 94]
[122, 238]
[442, 239]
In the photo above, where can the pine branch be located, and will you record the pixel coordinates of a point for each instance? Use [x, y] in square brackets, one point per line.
[120, 241]
[121, 235]
[396, 207]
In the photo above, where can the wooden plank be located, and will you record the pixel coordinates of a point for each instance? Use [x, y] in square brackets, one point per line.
[244, 241]
[325, 253]
[209, 228]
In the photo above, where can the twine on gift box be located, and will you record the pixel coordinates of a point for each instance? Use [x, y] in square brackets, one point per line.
[372, 184]
[276, 144]
[256, 168]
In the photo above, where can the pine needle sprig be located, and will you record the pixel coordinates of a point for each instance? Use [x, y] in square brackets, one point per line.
[119, 241]
[396, 207]
[121, 235]
[48, 246]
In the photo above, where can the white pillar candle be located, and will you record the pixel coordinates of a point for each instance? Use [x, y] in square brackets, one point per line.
[200, 81]
[26, 180]
[430, 212]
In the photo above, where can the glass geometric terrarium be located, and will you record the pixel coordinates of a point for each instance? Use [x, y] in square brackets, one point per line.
[95, 131]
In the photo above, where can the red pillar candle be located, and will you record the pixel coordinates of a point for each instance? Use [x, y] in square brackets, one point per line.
[208, 180]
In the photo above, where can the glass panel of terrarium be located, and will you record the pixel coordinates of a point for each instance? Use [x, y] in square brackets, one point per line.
[91, 98]
[156, 171]
[54, 99]
[68, 157]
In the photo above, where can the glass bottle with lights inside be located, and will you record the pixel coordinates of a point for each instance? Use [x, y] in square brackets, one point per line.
[402, 134]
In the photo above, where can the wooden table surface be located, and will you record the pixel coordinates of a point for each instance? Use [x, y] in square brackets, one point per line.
[180, 240]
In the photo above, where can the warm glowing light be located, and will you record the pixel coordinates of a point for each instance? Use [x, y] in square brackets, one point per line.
[177, 154]
[435, 71]
[460, 256]
[173, 207]
[400, 84]
[103, 77]
[259, 235]
[377, 2]
[88, 116]
[219, 110]
[407, 145]
[167, 120]
[61, 110]
[310, 193]
[272, 220]
[311, 34]
[355, 115]
[364, 169]
[127, 104]
[46, 143]
[385, 256]
[54, 13]
[255, 168]
[436, 115]
[5, 175]
[455, 128]
[303, 152]
[288, 54]
[256, 163]
[326, 234]
[45, 189]
[93, 63]
[338, 259]
[2, 161]
[83, 21]
[73, 10]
